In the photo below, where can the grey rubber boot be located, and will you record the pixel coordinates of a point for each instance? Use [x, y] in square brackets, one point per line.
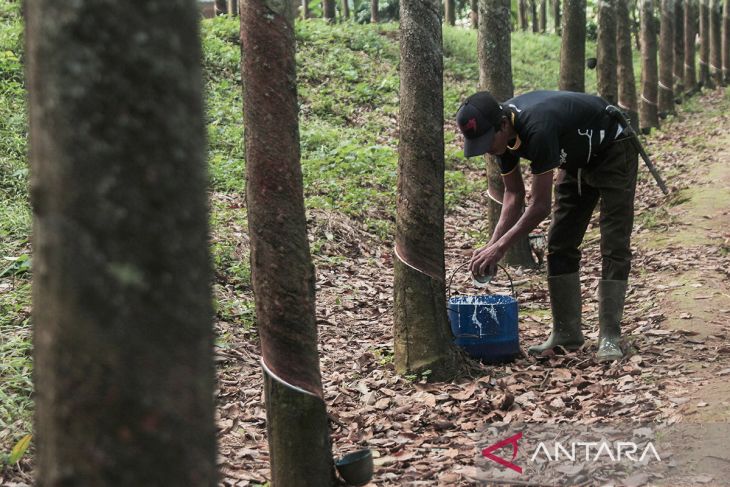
[611, 296]
[565, 303]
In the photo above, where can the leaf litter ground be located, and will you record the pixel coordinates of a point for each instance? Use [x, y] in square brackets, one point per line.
[676, 329]
[428, 434]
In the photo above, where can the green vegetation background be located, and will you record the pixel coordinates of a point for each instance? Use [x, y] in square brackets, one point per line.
[348, 90]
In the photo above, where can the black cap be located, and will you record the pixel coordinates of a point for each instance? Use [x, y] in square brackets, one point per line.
[478, 118]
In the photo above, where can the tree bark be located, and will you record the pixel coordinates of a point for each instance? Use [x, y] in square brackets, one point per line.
[535, 20]
[716, 42]
[573, 46]
[648, 114]
[305, 9]
[422, 337]
[543, 16]
[123, 335]
[495, 75]
[726, 42]
[450, 10]
[474, 14]
[678, 69]
[374, 11]
[606, 51]
[705, 79]
[626, 78]
[221, 7]
[281, 265]
[233, 7]
[556, 16]
[666, 58]
[524, 22]
[328, 9]
[346, 9]
[690, 32]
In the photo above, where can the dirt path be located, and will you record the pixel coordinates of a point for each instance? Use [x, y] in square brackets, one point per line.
[696, 302]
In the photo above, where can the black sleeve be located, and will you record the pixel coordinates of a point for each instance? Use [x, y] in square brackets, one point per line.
[544, 149]
[508, 162]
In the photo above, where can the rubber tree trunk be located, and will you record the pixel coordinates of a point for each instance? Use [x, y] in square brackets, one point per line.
[328, 9]
[450, 11]
[543, 16]
[666, 58]
[122, 327]
[221, 7]
[423, 340]
[626, 78]
[573, 46]
[690, 53]
[346, 9]
[678, 69]
[648, 113]
[726, 42]
[474, 13]
[716, 42]
[281, 266]
[705, 79]
[522, 6]
[305, 9]
[495, 75]
[374, 11]
[556, 16]
[233, 7]
[534, 18]
[606, 51]
[635, 14]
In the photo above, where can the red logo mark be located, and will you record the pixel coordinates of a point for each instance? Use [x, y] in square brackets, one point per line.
[512, 440]
[470, 125]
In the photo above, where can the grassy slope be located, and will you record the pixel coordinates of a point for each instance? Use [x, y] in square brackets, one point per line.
[348, 88]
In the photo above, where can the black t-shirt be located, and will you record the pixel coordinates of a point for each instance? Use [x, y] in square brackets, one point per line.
[558, 129]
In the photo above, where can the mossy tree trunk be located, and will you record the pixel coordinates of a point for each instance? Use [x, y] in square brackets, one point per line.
[495, 75]
[666, 58]
[422, 337]
[726, 42]
[281, 265]
[705, 79]
[123, 334]
[543, 16]
[606, 51]
[690, 53]
[374, 11]
[716, 42]
[523, 15]
[573, 46]
[678, 69]
[556, 16]
[648, 113]
[450, 11]
[626, 78]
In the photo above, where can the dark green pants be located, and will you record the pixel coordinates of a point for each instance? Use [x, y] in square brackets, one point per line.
[610, 178]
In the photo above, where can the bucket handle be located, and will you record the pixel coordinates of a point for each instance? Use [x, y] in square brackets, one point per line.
[448, 289]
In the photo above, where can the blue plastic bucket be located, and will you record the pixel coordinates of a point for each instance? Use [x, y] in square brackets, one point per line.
[486, 326]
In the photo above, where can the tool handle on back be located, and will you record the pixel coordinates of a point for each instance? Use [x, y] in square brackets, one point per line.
[621, 117]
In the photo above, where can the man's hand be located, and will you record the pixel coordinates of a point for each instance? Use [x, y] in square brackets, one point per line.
[484, 261]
